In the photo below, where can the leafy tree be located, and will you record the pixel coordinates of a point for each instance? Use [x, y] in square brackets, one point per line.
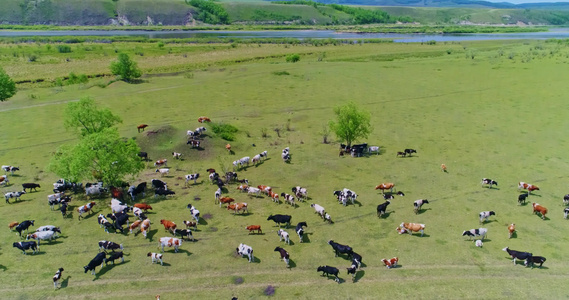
[101, 155]
[7, 86]
[351, 123]
[126, 68]
[85, 117]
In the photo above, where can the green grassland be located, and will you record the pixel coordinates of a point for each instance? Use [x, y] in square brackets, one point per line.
[500, 115]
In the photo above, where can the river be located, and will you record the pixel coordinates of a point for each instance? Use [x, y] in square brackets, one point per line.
[556, 33]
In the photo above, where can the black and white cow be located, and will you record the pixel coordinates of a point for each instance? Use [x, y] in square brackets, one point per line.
[163, 192]
[410, 151]
[184, 233]
[63, 209]
[245, 250]
[134, 191]
[300, 193]
[382, 208]
[485, 215]
[30, 186]
[300, 230]
[534, 260]
[119, 219]
[479, 232]
[566, 212]
[195, 212]
[98, 260]
[280, 219]
[107, 245]
[113, 256]
[194, 143]
[418, 204]
[158, 184]
[24, 226]
[489, 182]
[193, 177]
[566, 199]
[284, 255]
[517, 254]
[57, 277]
[339, 248]
[103, 222]
[25, 246]
[10, 169]
[15, 195]
[327, 270]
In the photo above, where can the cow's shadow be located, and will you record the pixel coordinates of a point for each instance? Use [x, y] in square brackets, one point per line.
[65, 282]
[188, 253]
[514, 235]
[306, 237]
[151, 234]
[243, 214]
[359, 275]
[291, 264]
[422, 210]
[202, 222]
[3, 268]
[90, 215]
[386, 214]
[107, 268]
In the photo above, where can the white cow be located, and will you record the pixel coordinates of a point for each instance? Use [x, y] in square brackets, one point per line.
[283, 235]
[244, 160]
[42, 235]
[163, 171]
[253, 190]
[256, 159]
[373, 149]
[170, 242]
[156, 257]
[319, 209]
[245, 250]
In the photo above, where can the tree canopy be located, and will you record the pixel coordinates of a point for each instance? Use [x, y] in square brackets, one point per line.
[84, 116]
[126, 68]
[7, 86]
[351, 123]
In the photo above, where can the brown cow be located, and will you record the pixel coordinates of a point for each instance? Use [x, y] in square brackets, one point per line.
[143, 206]
[527, 186]
[385, 186]
[225, 200]
[237, 207]
[252, 228]
[168, 225]
[538, 208]
[13, 224]
[511, 229]
[141, 126]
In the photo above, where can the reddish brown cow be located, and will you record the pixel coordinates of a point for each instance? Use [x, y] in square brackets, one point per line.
[385, 186]
[538, 208]
[204, 120]
[252, 228]
[225, 200]
[141, 126]
[237, 207]
[527, 186]
[143, 206]
[168, 225]
[13, 224]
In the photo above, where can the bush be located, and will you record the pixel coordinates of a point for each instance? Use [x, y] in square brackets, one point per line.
[63, 49]
[292, 58]
[225, 131]
[74, 79]
[278, 73]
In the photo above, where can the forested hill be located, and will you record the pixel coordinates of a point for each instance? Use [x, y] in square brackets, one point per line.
[452, 3]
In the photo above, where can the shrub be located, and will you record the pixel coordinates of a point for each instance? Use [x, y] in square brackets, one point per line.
[292, 58]
[32, 58]
[225, 131]
[63, 49]
[278, 73]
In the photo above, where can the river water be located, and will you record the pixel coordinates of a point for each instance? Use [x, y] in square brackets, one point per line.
[556, 33]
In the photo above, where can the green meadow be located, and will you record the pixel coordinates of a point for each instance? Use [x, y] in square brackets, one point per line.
[485, 109]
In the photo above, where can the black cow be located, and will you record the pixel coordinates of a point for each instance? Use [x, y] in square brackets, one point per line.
[98, 260]
[410, 151]
[339, 248]
[184, 233]
[119, 219]
[107, 245]
[357, 259]
[31, 186]
[143, 155]
[382, 208]
[300, 230]
[25, 246]
[522, 198]
[418, 204]
[63, 209]
[517, 254]
[134, 191]
[158, 184]
[163, 192]
[284, 255]
[113, 256]
[24, 226]
[279, 219]
[327, 270]
[534, 259]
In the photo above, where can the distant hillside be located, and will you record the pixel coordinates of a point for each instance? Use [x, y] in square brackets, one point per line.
[453, 3]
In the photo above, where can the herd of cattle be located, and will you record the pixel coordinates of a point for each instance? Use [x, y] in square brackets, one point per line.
[119, 216]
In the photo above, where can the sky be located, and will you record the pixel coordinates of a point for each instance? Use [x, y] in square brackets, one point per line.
[526, 1]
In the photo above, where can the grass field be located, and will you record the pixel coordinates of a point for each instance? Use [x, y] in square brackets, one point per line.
[500, 115]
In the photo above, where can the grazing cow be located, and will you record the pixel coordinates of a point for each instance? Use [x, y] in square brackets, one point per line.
[252, 228]
[163, 171]
[98, 260]
[176, 155]
[318, 209]
[161, 163]
[143, 206]
[54, 199]
[478, 243]
[228, 147]
[534, 259]
[170, 242]
[163, 192]
[25, 246]
[184, 233]
[382, 208]
[566, 212]
[390, 263]
[517, 254]
[279, 219]
[300, 230]
[538, 208]
[168, 225]
[213, 177]
[418, 204]
[141, 126]
[522, 198]
[444, 168]
[94, 190]
[230, 177]
[485, 215]
[243, 188]
[24, 226]
[527, 186]
[566, 199]
[57, 277]
[511, 230]
[139, 189]
[328, 218]
[480, 232]
[288, 198]
[85, 208]
[191, 224]
[264, 154]
[4, 180]
[143, 155]
[42, 235]
[49, 228]
[193, 177]
[145, 227]
[300, 193]
[113, 256]
[373, 149]
[30, 186]
[218, 196]
[413, 227]
[339, 248]
[134, 225]
[10, 169]
[108, 245]
[385, 186]
[116, 208]
[119, 219]
[489, 182]
[410, 151]
[194, 143]
[265, 189]
[196, 213]
[245, 250]
[156, 257]
[353, 270]
[286, 157]
[283, 235]
[15, 195]
[236, 207]
[275, 198]
[327, 270]
[356, 259]
[159, 184]
[225, 200]
[253, 191]
[403, 154]
[13, 224]
[284, 255]
[104, 222]
[204, 119]
[63, 209]
[256, 159]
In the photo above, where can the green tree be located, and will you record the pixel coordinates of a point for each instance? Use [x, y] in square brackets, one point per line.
[351, 123]
[7, 86]
[102, 156]
[84, 116]
[126, 68]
